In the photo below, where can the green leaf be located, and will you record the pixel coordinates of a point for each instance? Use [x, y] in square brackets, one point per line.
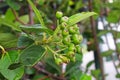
[8, 40]
[2, 77]
[5, 62]
[113, 16]
[13, 74]
[51, 66]
[29, 70]
[117, 75]
[78, 57]
[116, 34]
[107, 53]
[9, 15]
[89, 64]
[13, 4]
[102, 32]
[72, 67]
[95, 73]
[24, 18]
[24, 41]
[76, 75]
[37, 13]
[14, 66]
[31, 55]
[13, 55]
[37, 28]
[85, 77]
[79, 17]
[10, 24]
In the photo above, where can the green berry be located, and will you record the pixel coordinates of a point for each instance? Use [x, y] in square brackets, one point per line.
[59, 14]
[58, 61]
[75, 39]
[80, 38]
[78, 49]
[71, 47]
[72, 59]
[65, 59]
[63, 25]
[72, 30]
[66, 40]
[70, 53]
[64, 19]
[65, 32]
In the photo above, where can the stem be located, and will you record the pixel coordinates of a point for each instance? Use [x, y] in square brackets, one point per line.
[3, 50]
[31, 20]
[48, 73]
[96, 41]
[16, 17]
[57, 29]
[37, 13]
[51, 50]
[15, 48]
[60, 50]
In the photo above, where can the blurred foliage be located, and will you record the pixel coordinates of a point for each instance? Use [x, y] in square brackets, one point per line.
[11, 34]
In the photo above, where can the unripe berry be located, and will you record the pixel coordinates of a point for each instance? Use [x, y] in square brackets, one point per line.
[72, 30]
[66, 40]
[70, 53]
[63, 25]
[71, 47]
[65, 59]
[75, 39]
[80, 38]
[72, 59]
[59, 14]
[65, 32]
[78, 49]
[58, 61]
[64, 19]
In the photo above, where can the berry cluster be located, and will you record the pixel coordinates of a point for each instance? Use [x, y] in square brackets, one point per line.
[71, 39]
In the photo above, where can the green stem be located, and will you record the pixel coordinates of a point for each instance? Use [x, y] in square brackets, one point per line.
[60, 50]
[37, 13]
[57, 29]
[51, 50]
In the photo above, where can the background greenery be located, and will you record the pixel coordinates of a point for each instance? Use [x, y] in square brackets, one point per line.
[16, 15]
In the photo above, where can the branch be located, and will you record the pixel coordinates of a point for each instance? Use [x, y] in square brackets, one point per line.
[31, 21]
[16, 17]
[15, 48]
[42, 70]
[93, 24]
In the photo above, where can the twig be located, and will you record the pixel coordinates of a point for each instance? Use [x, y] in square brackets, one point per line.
[31, 21]
[42, 70]
[96, 41]
[16, 17]
[14, 48]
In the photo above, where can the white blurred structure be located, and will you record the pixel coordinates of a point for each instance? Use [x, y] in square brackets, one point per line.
[108, 66]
